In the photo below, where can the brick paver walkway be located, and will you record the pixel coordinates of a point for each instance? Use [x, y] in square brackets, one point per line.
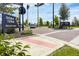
[40, 42]
[41, 46]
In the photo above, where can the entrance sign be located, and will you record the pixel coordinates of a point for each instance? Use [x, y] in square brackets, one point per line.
[9, 21]
[62, 24]
[65, 23]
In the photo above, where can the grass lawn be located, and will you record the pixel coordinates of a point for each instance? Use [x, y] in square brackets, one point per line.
[65, 51]
[74, 26]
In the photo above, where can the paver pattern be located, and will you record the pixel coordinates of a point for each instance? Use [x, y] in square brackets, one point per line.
[41, 46]
[39, 42]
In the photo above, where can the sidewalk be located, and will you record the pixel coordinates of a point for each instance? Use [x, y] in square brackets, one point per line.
[75, 41]
[41, 46]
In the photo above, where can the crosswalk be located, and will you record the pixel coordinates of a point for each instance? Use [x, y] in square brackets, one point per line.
[41, 46]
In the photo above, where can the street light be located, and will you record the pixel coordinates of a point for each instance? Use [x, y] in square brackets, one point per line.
[38, 5]
[27, 11]
[53, 13]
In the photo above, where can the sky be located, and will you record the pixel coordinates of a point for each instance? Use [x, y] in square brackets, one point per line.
[45, 11]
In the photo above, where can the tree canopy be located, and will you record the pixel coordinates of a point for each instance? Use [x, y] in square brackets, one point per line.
[75, 22]
[7, 8]
[56, 20]
[41, 21]
[64, 12]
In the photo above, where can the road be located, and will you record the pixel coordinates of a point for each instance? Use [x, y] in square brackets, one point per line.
[41, 30]
[66, 35]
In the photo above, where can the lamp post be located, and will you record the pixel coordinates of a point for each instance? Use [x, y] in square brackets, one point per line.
[53, 13]
[27, 12]
[38, 5]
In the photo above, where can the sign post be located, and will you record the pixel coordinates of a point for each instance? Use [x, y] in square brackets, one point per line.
[22, 11]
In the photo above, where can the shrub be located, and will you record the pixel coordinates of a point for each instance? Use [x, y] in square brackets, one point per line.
[57, 26]
[11, 48]
[27, 32]
[40, 22]
[10, 30]
[75, 22]
[56, 22]
[47, 23]
[49, 26]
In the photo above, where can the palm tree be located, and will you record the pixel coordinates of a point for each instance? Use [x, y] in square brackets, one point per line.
[38, 5]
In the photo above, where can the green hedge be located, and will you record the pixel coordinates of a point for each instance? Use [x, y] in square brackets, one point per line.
[10, 30]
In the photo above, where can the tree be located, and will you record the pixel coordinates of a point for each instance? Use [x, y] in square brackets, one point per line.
[56, 21]
[41, 21]
[7, 8]
[26, 22]
[64, 12]
[47, 23]
[75, 22]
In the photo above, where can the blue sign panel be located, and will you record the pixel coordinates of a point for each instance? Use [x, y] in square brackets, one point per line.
[9, 21]
[65, 23]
